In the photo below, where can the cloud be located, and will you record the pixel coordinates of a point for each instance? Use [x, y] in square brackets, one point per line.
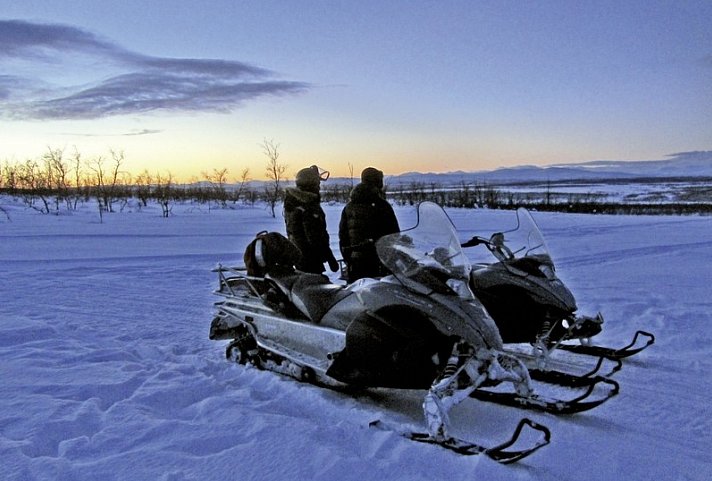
[25, 38]
[127, 83]
[132, 133]
[692, 155]
[142, 132]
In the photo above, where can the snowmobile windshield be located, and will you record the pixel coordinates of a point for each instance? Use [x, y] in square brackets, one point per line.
[428, 257]
[526, 239]
[521, 249]
[524, 247]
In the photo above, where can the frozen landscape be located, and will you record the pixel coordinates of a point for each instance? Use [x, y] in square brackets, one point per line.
[108, 372]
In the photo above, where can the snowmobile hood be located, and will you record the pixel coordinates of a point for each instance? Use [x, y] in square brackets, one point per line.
[522, 259]
[428, 260]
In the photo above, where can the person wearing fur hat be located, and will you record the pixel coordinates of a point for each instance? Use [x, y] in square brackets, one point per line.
[306, 222]
[367, 217]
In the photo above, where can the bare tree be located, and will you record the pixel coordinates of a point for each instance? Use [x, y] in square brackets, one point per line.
[164, 192]
[34, 183]
[57, 173]
[275, 173]
[107, 183]
[77, 171]
[10, 177]
[96, 165]
[143, 187]
[119, 179]
[217, 180]
[243, 187]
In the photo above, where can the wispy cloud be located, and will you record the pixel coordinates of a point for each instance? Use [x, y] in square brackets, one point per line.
[127, 82]
[142, 132]
[132, 133]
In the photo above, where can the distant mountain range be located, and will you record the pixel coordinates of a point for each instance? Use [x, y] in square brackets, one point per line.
[683, 164]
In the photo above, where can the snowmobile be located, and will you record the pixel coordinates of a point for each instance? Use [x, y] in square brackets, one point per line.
[530, 304]
[419, 328]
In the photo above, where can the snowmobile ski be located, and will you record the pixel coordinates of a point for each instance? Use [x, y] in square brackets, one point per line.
[499, 453]
[564, 379]
[566, 369]
[609, 352]
[561, 378]
[584, 402]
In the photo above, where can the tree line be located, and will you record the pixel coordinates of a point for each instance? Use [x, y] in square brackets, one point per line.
[59, 181]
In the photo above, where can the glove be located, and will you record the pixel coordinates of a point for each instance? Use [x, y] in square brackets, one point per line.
[333, 264]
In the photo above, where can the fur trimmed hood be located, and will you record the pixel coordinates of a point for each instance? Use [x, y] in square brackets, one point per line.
[303, 196]
[365, 193]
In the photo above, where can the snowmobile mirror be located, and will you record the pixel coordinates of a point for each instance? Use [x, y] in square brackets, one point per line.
[497, 239]
[497, 247]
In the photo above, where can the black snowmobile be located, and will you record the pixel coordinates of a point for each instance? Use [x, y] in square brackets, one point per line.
[529, 303]
[420, 328]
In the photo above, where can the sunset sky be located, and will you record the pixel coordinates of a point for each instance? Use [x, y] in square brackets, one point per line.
[190, 86]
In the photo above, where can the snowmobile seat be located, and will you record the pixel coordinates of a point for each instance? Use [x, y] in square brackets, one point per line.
[312, 294]
[284, 282]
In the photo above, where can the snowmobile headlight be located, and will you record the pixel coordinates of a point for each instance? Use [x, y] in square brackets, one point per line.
[547, 271]
[460, 287]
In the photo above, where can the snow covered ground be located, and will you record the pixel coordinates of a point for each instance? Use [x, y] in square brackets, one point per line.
[607, 192]
[108, 374]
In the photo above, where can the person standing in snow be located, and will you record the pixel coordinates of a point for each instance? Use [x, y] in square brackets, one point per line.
[366, 218]
[306, 222]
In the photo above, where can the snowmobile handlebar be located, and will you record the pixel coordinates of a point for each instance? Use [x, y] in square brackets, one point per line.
[495, 244]
[475, 241]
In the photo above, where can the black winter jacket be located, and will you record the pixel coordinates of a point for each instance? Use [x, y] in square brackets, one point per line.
[306, 227]
[366, 218]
